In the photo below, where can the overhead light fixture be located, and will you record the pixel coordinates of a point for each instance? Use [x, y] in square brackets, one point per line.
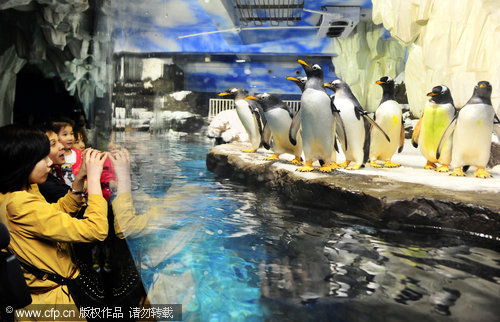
[337, 22]
[240, 61]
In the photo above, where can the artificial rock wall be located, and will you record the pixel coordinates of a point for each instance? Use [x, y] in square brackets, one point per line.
[69, 39]
[371, 55]
[450, 42]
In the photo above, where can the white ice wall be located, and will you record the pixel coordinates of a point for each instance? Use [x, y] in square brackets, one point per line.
[363, 58]
[451, 42]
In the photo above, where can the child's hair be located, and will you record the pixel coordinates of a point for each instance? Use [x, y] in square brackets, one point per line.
[21, 148]
[81, 130]
[61, 123]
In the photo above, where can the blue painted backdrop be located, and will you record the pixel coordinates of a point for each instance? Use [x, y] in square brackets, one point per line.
[160, 25]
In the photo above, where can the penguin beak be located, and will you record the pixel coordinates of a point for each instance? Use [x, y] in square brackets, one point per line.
[431, 94]
[379, 82]
[327, 85]
[293, 79]
[223, 94]
[302, 62]
[251, 97]
[482, 86]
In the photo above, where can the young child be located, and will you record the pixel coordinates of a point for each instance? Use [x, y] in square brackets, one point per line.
[80, 138]
[73, 157]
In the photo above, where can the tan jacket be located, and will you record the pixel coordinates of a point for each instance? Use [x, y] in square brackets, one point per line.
[41, 234]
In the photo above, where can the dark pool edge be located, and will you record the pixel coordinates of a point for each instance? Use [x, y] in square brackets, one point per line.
[396, 204]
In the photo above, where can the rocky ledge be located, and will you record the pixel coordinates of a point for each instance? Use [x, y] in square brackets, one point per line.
[402, 197]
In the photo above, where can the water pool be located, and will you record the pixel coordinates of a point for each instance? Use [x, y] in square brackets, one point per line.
[228, 252]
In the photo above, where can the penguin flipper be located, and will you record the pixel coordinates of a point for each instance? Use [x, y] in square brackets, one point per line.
[373, 123]
[294, 127]
[496, 120]
[336, 146]
[401, 136]
[266, 137]
[416, 133]
[446, 134]
[340, 129]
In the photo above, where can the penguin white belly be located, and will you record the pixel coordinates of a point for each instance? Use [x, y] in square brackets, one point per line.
[249, 122]
[355, 131]
[472, 136]
[317, 125]
[279, 122]
[436, 119]
[388, 117]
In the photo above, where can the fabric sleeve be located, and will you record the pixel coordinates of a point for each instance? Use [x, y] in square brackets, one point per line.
[35, 217]
[126, 222]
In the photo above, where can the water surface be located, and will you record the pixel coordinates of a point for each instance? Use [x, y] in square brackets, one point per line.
[229, 252]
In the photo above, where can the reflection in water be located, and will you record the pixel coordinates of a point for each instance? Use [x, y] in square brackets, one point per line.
[229, 252]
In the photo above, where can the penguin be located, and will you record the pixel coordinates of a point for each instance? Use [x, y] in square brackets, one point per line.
[471, 127]
[339, 126]
[250, 115]
[439, 111]
[389, 117]
[317, 120]
[357, 125]
[279, 119]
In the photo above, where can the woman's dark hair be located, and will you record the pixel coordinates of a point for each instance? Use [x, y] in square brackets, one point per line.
[21, 148]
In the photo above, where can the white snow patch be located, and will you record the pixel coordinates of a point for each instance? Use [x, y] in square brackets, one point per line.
[179, 96]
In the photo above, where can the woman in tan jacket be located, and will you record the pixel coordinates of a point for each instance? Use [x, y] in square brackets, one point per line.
[40, 232]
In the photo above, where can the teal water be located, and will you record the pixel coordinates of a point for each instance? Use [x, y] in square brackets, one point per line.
[229, 252]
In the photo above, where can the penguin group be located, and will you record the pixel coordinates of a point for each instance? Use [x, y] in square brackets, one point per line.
[450, 137]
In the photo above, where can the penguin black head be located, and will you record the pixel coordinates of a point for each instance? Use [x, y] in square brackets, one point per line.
[440, 95]
[335, 85]
[299, 81]
[314, 73]
[267, 101]
[483, 89]
[234, 93]
[387, 84]
[481, 94]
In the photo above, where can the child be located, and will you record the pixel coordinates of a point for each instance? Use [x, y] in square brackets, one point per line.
[73, 157]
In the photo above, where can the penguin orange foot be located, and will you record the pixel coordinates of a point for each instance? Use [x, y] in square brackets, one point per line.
[374, 164]
[357, 166]
[326, 167]
[344, 164]
[334, 166]
[458, 172]
[308, 167]
[481, 173]
[249, 150]
[443, 168]
[297, 160]
[429, 166]
[389, 164]
[272, 157]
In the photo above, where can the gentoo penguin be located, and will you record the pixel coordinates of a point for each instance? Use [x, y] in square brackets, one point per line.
[279, 119]
[390, 118]
[339, 125]
[250, 114]
[472, 127]
[438, 113]
[357, 125]
[316, 118]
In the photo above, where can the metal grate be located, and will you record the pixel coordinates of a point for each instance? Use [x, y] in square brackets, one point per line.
[274, 11]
